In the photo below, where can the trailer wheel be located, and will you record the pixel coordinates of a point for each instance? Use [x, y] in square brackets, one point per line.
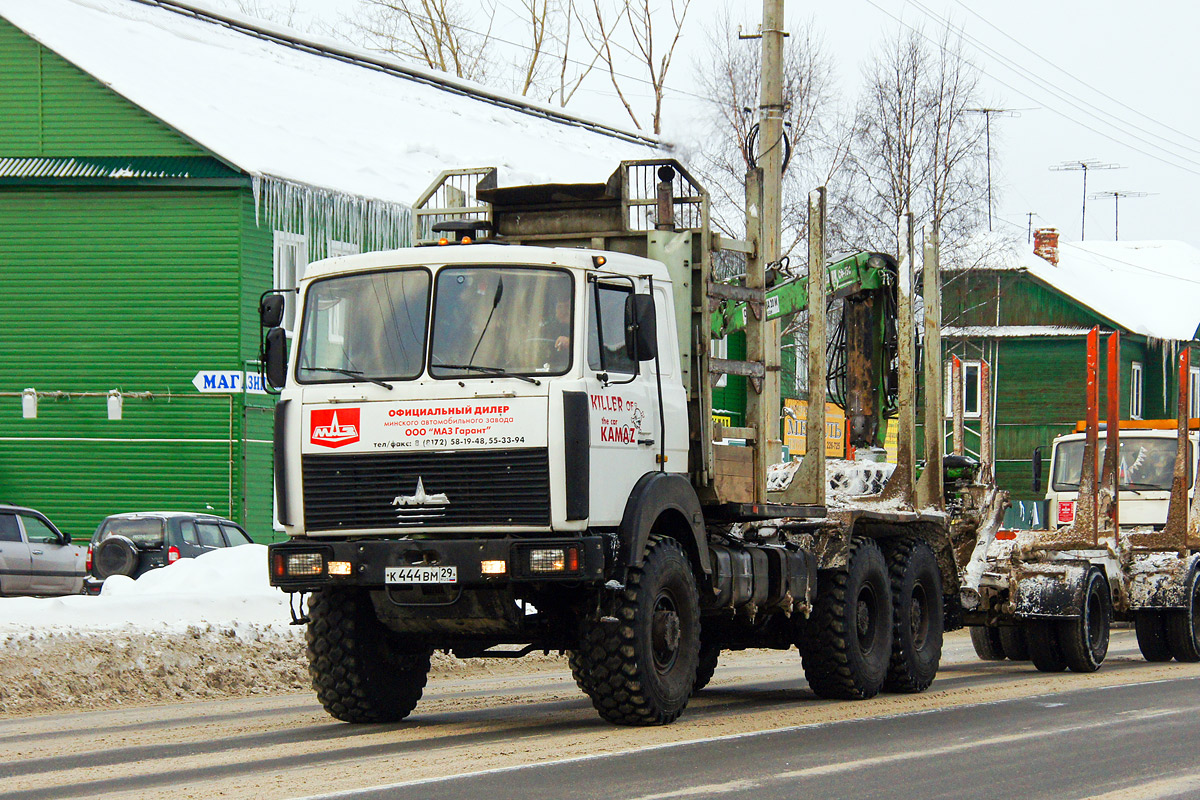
[849, 635]
[1014, 642]
[706, 665]
[987, 643]
[1183, 627]
[641, 669]
[361, 670]
[1084, 640]
[1151, 629]
[916, 584]
[1044, 650]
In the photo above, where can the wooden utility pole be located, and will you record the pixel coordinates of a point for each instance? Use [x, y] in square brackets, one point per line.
[762, 342]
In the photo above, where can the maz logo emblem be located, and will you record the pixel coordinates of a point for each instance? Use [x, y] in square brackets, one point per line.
[420, 506]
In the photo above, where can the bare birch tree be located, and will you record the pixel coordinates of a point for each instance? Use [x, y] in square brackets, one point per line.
[915, 148]
[728, 75]
[439, 34]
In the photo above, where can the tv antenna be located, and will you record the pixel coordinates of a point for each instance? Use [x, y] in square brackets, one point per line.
[1116, 198]
[1083, 166]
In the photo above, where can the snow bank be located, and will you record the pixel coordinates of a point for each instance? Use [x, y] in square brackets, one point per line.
[225, 589]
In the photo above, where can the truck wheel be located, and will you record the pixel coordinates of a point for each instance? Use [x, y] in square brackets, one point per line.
[1084, 640]
[579, 670]
[640, 670]
[1044, 649]
[1151, 629]
[361, 670]
[916, 584]
[706, 665]
[1183, 627]
[987, 643]
[850, 633]
[1014, 642]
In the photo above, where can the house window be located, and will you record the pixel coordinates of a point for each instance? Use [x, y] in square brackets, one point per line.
[1194, 392]
[291, 257]
[971, 374]
[1135, 390]
[337, 248]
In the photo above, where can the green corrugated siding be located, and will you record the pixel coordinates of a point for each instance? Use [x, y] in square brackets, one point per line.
[135, 289]
[257, 484]
[50, 107]
[732, 396]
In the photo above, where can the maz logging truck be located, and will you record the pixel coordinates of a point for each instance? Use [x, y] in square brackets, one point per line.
[506, 444]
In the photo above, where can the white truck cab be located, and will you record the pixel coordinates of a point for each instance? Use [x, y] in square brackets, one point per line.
[517, 358]
[1145, 468]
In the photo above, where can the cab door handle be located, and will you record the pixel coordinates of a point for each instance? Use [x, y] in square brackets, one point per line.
[645, 441]
[37, 552]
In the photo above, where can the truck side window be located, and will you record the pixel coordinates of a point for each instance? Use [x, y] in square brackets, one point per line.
[611, 330]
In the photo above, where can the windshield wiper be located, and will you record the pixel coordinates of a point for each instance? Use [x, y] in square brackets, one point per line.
[353, 373]
[495, 371]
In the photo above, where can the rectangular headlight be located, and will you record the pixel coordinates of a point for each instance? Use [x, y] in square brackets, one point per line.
[305, 564]
[341, 568]
[548, 559]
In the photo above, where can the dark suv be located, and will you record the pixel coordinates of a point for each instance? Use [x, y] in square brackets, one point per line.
[132, 544]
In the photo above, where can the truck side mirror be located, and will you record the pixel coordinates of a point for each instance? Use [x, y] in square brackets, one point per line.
[275, 357]
[270, 310]
[1037, 469]
[641, 329]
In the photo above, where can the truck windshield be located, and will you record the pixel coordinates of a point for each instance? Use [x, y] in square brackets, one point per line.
[1144, 463]
[365, 327]
[490, 321]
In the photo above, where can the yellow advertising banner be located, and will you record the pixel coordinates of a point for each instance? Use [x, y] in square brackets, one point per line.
[891, 440]
[795, 429]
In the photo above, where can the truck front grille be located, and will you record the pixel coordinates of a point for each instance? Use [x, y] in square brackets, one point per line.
[460, 488]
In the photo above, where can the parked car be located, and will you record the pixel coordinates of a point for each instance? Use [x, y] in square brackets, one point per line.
[133, 544]
[36, 557]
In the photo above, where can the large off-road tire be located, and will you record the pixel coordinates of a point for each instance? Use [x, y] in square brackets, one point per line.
[580, 670]
[641, 669]
[1183, 627]
[361, 670]
[917, 614]
[1014, 642]
[987, 643]
[1084, 640]
[1151, 630]
[706, 663]
[849, 638]
[1044, 649]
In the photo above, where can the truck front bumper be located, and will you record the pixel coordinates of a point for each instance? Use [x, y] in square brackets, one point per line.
[307, 565]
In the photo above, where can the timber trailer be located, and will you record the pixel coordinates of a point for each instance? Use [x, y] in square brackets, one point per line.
[1050, 596]
[505, 444]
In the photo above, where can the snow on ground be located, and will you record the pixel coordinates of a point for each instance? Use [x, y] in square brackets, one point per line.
[226, 588]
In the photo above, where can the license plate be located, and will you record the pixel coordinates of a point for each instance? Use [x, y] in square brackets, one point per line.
[420, 575]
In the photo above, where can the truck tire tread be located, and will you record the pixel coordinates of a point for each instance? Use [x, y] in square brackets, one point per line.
[706, 664]
[834, 665]
[1044, 649]
[1014, 643]
[1084, 639]
[987, 643]
[361, 671]
[1151, 630]
[1183, 626]
[912, 566]
[616, 662]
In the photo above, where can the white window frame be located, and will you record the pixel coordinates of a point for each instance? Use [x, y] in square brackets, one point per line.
[339, 248]
[1135, 390]
[287, 276]
[1194, 392]
[948, 383]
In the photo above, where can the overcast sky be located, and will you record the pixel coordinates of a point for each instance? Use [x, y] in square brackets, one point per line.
[1108, 80]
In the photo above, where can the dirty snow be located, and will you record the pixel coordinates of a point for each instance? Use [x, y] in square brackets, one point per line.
[276, 110]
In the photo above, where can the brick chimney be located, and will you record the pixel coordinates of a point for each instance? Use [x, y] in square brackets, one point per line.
[1045, 244]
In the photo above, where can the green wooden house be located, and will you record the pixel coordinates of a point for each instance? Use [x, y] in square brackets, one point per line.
[162, 166]
[1027, 316]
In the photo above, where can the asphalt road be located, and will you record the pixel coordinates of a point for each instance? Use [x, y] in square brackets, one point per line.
[984, 730]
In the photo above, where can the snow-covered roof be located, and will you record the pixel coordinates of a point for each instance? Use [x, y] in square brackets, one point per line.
[1147, 287]
[315, 111]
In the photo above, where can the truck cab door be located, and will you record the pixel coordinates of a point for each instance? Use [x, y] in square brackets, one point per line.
[622, 403]
[15, 561]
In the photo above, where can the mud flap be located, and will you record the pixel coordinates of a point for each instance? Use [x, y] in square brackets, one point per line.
[1159, 581]
[1049, 590]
